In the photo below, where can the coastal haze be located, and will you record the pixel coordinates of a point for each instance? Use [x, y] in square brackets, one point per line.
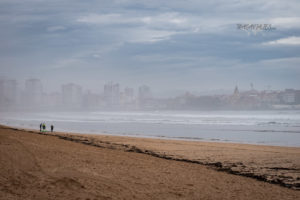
[268, 117]
[193, 70]
[150, 99]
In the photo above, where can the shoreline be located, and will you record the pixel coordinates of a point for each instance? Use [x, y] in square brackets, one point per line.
[273, 164]
[179, 138]
[139, 136]
[261, 128]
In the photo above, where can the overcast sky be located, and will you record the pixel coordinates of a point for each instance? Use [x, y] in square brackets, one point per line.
[170, 45]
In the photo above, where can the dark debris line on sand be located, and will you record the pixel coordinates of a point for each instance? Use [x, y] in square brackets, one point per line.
[129, 148]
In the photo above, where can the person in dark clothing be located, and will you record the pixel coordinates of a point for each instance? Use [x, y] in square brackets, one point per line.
[44, 127]
[52, 127]
[40, 127]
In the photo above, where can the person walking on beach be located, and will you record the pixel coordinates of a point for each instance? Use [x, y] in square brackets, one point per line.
[40, 127]
[52, 127]
[44, 126]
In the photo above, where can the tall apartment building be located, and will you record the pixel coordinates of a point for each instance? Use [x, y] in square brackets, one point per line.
[71, 95]
[33, 92]
[8, 92]
[144, 92]
[112, 94]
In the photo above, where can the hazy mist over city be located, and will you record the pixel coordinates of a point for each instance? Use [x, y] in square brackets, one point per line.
[128, 53]
[150, 99]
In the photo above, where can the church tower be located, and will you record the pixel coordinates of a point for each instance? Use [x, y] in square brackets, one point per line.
[236, 91]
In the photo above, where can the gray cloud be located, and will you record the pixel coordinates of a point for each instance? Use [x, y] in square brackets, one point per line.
[167, 44]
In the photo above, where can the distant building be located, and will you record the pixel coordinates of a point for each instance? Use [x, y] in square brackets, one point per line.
[90, 100]
[112, 94]
[269, 97]
[127, 98]
[71, 95]
[297, 97]
[52, 99]
[8, 92]
[144, 96]
[290, 96]
[236, 91]
[128, 95]
[144, 92]
[33, 92]
[235, 96]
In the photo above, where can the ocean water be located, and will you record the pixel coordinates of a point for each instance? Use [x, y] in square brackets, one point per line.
[280, 128]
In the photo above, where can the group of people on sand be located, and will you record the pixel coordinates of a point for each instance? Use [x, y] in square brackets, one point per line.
[43, 127]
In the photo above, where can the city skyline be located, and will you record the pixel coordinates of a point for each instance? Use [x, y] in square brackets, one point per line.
[21, 85]
[32, 96]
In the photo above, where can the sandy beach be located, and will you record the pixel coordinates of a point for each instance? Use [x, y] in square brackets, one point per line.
[78, 166]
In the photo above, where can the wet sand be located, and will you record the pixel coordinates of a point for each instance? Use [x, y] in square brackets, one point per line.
[73, 166]
[274, 164]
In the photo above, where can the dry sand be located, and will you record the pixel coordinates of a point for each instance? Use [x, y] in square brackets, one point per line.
[35, 166]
